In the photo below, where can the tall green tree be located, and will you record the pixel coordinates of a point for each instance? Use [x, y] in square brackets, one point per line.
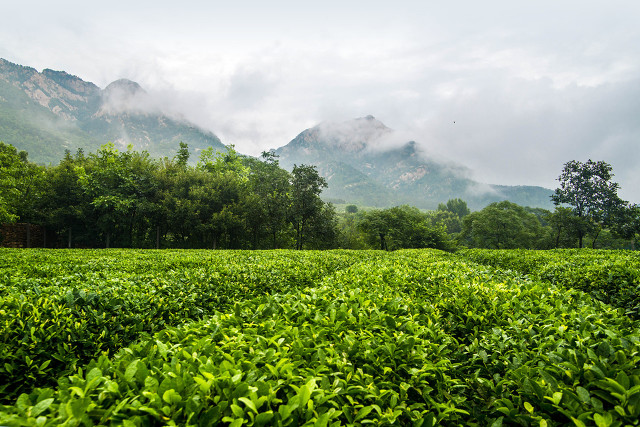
[117, 182]
[220, 201]
[65, 204]
[403, 227]
[627, 224]
[268, 199]
[306, 204]
[322, 231]
[456, 206]
[447, 219]
[593, 196]
[502, 225]
[21, 184]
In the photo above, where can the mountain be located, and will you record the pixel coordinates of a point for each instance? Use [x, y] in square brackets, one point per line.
[49, 112]
[365, 162]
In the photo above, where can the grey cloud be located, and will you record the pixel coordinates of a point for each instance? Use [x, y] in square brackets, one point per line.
[529, 85]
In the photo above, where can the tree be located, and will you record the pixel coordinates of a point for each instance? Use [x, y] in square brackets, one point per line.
[563, 225]
[65, 205]
[268, 200]
[350, 235]
[502, 225]
[351, 209]
[182, 157]
[376, 224]
[455, 206]
[322, 231]
[21, 184]
[306, 186]
[449, 220]
[117, 182]
[627, 223]
[588, 188]
[220, 201]
[403, 227]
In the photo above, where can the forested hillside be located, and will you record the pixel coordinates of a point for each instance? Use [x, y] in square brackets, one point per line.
[49, 112]
[366, 162]
[114, 198]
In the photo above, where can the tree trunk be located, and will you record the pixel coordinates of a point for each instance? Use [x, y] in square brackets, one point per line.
[299, 237]
[593, 245]
[383, 243]
[28, 235]
[69, 239]
[108, 238]
[131, 226]
[157, 237]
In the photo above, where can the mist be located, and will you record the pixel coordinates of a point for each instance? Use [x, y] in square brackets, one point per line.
[511, 91]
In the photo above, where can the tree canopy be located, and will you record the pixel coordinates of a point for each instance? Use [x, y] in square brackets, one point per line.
[502, 225]
[589, 190]
[125, 198]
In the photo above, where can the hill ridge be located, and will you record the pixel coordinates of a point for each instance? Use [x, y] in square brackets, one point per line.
[48, 112]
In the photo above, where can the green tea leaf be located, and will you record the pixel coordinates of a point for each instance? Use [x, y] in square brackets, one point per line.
[131, 370]
[41, 406]
[603, 420]
[171, 397]
[583, 394]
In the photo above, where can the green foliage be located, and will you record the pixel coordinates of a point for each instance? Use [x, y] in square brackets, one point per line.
[449, 220]
[455, 206]
[588, 189]
[268, 205]
[609, 276]
[403, 227]
[564, 226]
[115, 198]
[20, 184]
[626, 223]
[182, 157]
[415, 337]
[503, 225]
[61, 309]
[117, 184]
[351, 209]
[306, 186]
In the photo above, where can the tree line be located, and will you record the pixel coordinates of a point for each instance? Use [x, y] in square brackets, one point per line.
[588, 212]
[115, 198]
[124, 198]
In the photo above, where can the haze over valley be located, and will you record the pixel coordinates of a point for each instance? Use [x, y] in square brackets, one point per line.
[509, 92]
[363, 160]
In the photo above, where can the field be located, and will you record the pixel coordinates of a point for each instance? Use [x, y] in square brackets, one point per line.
[285, 338]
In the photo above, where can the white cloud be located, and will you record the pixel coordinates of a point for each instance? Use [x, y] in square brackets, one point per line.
[530, 85]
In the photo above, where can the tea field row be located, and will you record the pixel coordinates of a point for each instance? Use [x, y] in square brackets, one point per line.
[196, 338]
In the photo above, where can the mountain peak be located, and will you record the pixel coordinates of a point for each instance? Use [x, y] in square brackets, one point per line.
[124, 84]
[123, 96]
[70, 82]
[353, 135]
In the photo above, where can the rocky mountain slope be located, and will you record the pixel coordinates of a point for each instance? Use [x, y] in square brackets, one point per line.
[366, 162]
[49, 112]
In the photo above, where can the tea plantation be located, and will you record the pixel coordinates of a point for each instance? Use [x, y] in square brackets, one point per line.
[288, 338]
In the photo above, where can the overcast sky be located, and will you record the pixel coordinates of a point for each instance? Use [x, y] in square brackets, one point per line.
[530, 85]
